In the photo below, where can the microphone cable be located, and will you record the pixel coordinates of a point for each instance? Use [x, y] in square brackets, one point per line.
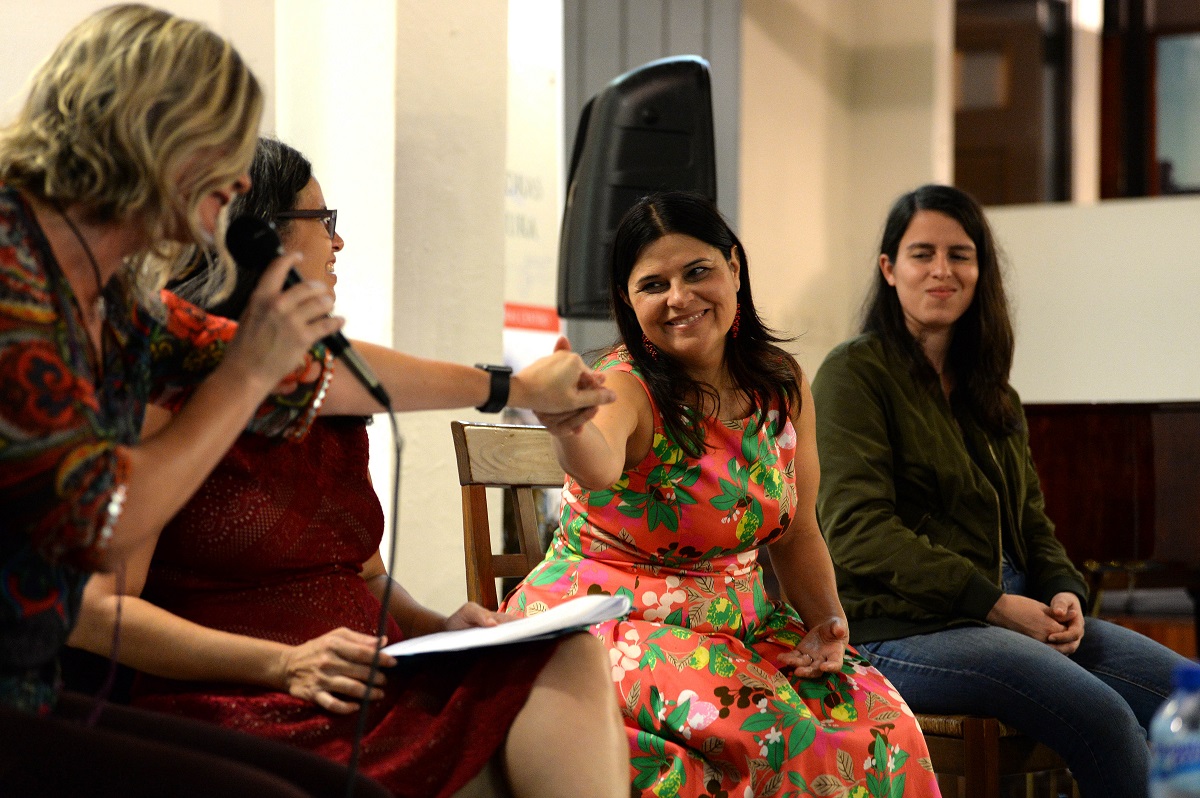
[381, 627]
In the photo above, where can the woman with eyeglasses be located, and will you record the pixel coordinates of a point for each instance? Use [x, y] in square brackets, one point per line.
[257, 609]
[136, 133]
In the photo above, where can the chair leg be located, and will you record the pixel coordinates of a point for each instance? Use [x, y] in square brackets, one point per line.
[981, 739]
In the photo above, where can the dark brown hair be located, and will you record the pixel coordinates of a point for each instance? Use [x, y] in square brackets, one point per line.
[755, 363]
[981, 349]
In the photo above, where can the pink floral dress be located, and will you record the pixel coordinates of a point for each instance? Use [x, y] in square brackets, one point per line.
[708, 712]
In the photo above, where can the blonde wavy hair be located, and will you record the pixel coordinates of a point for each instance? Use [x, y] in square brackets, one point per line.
[136, 117]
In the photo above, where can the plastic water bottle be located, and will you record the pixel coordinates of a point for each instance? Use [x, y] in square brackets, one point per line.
[1175, 739]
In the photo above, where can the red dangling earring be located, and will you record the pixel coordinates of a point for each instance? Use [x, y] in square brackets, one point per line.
[650, 348]
[737, 320]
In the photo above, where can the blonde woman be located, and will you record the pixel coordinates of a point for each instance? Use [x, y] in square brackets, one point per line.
[136, 133]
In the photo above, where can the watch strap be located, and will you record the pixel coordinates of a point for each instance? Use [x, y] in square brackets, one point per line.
[498, 389]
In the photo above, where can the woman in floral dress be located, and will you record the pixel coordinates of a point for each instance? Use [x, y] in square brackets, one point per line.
[707, 455]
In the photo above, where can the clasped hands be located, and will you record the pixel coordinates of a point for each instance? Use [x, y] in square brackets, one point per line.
[1058, 624]
[331, 670]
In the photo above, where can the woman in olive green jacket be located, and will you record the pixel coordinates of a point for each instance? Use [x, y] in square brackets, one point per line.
[948, 568]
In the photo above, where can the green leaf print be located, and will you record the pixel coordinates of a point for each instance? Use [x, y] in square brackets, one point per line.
[573, 529]
[651, 742]
[801, 737]
[759, 722]
[775, 756]
[719, 662]
[762, 607]
[790, 714]
[898, 785]
[661, 514]
[678, 717]
[877, 787]
[632, 504]
[646, 720]
[797, 780]
[901, 757]
[647, 768]
[600, 498]
[813, 688]
[880, 751]
[551, 573]
[675, 618]
[731, 494]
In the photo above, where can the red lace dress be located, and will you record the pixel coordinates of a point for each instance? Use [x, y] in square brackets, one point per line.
[271, 547]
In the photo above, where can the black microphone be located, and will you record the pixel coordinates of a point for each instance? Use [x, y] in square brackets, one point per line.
[253, 243]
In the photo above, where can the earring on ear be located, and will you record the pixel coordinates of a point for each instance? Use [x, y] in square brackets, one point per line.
[651, 349]
[737, 320]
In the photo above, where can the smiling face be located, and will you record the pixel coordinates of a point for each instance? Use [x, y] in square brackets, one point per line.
[310, 238]
[934, 274]
[684, 294]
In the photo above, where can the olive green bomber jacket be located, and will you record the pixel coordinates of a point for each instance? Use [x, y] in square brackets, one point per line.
[915, 527]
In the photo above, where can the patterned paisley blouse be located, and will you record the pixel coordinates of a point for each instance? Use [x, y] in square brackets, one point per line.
[64, 430]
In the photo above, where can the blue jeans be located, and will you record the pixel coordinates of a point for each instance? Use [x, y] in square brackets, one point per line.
[1093, 706]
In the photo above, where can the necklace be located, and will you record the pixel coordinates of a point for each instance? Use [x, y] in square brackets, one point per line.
[99, 307]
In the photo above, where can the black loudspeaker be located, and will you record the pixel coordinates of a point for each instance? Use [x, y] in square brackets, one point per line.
[650, 129]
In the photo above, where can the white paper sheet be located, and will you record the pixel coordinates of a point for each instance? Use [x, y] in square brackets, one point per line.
[573, 615]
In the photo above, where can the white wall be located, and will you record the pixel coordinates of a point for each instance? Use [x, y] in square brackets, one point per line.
[335, 97]
[844, 107]
[31, 30]
[1105, 299]
[451, 74]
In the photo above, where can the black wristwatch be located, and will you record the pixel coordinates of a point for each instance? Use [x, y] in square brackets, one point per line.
[498, 393]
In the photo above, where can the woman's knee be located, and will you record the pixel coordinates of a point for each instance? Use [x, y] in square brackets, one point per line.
[580, 661]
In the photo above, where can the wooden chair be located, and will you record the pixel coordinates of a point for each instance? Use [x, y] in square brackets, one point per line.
[981, 751]
[521, 459]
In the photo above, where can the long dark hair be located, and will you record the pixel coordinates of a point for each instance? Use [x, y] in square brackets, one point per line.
[981, 348]
[755, 363]
[278, 174]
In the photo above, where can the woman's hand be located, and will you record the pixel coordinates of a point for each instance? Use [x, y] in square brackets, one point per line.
[472, 614]
[1027, 616]
[568, 423]
[278, 327]
[335, 664]
[821, 651]
[559, 384]
[1065, 609]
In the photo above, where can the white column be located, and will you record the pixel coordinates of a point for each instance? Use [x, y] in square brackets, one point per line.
[450, 113]
[335, 101]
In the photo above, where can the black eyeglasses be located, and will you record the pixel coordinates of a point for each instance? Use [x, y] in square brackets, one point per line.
[328, 217]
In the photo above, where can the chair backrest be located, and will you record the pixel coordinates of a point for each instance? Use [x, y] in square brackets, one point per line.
[518, 459]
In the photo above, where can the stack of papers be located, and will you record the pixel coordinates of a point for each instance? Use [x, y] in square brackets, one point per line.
[571, 616]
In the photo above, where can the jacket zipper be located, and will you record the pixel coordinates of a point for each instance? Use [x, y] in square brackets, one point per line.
[999, 518]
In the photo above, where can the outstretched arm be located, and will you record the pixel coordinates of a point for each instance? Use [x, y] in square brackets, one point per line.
[557, 383]
[596, 451]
